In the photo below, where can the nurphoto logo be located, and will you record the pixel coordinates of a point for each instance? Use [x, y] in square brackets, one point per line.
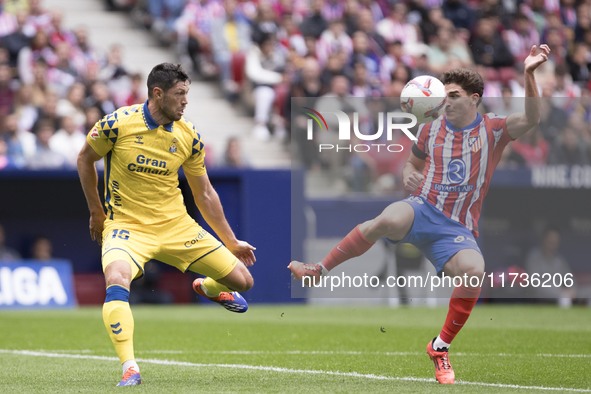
[388, 123]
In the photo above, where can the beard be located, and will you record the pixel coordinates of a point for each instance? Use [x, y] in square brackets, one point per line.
[170, 114]
[167, 111]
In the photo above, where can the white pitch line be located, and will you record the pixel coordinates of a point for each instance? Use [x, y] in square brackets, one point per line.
[285, 352]
[358, 375]
[163, 351]
[357, 353]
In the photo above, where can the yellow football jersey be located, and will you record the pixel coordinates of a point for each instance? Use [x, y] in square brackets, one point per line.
[142, 160]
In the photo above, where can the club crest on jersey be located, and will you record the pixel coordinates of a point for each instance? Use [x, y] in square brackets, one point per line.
[173, 148]
[474, 143]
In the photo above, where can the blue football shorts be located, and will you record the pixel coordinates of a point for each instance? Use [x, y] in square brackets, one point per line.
[436, 235]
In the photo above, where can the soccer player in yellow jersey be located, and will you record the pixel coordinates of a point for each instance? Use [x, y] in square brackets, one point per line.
[143, 147]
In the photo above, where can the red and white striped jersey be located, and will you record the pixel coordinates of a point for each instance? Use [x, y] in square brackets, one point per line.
[459, 164]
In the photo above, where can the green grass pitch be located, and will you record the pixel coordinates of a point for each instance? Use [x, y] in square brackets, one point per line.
[287, 348]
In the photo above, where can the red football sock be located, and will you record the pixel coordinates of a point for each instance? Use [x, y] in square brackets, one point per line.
[354, 244]
[461, 303]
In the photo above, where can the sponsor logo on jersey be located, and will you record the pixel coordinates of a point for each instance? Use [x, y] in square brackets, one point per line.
[452, 188]
[456, 171]
[94, 133]
[202, 233]
[149, 165]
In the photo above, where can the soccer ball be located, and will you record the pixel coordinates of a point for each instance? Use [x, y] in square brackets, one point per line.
[424, 97]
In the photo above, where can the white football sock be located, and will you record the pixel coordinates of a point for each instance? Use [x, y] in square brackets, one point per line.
[438, 343]
[130, 363]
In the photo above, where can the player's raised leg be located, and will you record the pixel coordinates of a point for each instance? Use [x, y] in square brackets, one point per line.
[461, 303]
[231, 275]
[393, 223]
[118, 319]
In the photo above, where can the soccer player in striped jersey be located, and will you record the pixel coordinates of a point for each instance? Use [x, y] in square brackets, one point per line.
[144, 146]
[448, 175]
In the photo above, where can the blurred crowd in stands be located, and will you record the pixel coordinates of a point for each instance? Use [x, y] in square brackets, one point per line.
[265, 53]
[54, 85]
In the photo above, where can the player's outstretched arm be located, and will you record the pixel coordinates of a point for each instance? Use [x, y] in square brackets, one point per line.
[519, 124]
[89, 181]
[209, 205]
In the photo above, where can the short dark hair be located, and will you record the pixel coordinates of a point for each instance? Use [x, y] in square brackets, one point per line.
[468, 79]
[165, 76]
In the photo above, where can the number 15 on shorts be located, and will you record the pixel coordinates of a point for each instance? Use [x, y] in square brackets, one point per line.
[121, 234]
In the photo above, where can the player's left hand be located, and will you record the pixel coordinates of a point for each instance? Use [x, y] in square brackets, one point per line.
[536, 57]
[244, 252]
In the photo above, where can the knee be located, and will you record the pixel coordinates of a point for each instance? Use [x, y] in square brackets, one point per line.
[467, 262]
[476, 269]
[239, 279]
[394, 223]
[380, 227]
[117, 277]
[246, 283]
[384, 224]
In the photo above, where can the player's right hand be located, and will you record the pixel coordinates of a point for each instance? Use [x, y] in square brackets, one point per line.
[413, 181]
[96, 225]
[244, 252]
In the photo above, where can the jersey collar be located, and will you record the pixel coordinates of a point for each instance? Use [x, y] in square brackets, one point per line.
[469, 127]
[151, 123]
